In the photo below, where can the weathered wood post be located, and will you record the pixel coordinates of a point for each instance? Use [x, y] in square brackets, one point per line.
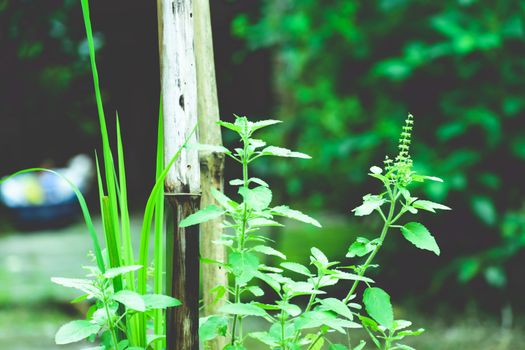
[212, 163]
[179, 101]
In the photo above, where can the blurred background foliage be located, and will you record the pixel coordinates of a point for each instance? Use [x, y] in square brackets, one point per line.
[342, 75]
[345, 73]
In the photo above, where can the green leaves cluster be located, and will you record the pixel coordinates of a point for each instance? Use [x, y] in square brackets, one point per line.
[106, 317]
[293, 325]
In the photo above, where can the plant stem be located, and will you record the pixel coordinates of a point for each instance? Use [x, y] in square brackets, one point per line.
[310, 304]
[315, 341]
[283, 322]
[236, 318]
[384, 231]
[111, 326]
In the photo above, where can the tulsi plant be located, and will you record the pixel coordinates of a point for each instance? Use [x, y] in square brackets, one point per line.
[293, 326]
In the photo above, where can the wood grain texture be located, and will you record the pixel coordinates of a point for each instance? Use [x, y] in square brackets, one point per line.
[179, 92]
[179, 102]
[212, 164]
[183, 321]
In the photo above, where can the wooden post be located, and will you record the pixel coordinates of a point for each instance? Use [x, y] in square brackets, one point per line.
[179, 101]
[212, 163]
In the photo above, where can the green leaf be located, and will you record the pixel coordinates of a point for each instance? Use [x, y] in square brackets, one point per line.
[79, 299]
[262, 222]
[300, 288]
[269, 281]
[496, 276]
[418, 235]
[230, 126]
[337, 306]
[339, 324]
[236, 182]
[83, 285]
[244, 266]
[352, 276]
[433, 178]
[100, 316]
[219, 291]
[422, 178]
[223, 200]
[117, 271]
[283, 152]
[298, 268]
[203, 215]
[256, 143]
[265, 338]
[264, 123]
[410, 333]
[370, 203]
[401, 324]
[311, 319]
[212, 327]
[291, 309]
[429, 206]
[256, 291]
[269, 251]
[485, 209]
[258, 198]
[368, 323]
[361, 247]
[378, 306]
[243, 310]
[130, 299]
[319, 256]
[75, 331]
[159, 301]
[244, 124]
[285, 211]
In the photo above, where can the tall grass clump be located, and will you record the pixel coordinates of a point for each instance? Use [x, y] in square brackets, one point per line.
[123, 310]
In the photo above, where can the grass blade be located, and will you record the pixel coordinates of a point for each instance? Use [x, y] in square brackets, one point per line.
[108, 158]
[158, 189]
[158, 318]
[106, 223]
[124, 212]
[83, 206]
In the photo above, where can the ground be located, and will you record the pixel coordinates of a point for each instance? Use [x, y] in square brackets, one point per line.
[32, 308]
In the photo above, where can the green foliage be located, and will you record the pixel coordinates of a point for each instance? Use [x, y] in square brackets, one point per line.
[377, 303]
[344, 68]
[123, 308]
[418, 235]
[104, 317]
[308, 327]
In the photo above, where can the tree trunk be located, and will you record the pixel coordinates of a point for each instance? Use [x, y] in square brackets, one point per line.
[179, 92]
[212, 163]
